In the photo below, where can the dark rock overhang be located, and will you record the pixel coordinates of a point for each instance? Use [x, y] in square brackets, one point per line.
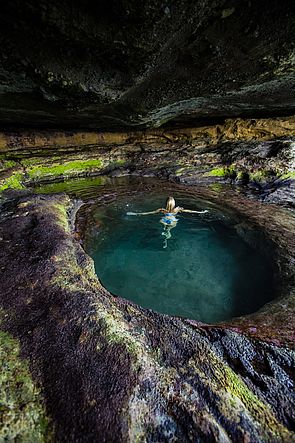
[121, 64]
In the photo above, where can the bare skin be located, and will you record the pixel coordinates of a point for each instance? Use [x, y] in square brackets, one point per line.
[169, 221]
[164, 211]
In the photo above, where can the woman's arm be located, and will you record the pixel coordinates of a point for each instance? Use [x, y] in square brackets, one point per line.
[193, 212]
[146, 213]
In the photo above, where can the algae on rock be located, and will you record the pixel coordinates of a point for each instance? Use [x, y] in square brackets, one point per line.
[113, 369]
[22, 414]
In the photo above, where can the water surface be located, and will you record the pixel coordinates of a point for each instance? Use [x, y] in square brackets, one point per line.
[205, 271]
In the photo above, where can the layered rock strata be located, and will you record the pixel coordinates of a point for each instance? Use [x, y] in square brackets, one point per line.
[257, 153]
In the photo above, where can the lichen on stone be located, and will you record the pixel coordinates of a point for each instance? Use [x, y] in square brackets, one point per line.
[6, 164]
[288, 175]
[14, 181]
[168, 377]
[22, 414]
[68, 168]
[225, 171]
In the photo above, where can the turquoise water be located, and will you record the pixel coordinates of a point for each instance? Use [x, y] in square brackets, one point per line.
[205, 271]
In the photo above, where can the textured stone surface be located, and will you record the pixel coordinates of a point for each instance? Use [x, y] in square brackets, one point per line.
[121, 63]
[22, 416]
[115, 372]
[257, 154]
[106, 369]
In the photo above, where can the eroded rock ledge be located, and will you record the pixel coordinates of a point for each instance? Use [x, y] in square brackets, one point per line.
[259, 153]
[104, 366]
[111, 370]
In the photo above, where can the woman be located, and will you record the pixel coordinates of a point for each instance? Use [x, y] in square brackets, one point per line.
[169, 220]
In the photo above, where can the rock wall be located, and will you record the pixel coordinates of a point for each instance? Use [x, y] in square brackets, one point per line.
[257, 153]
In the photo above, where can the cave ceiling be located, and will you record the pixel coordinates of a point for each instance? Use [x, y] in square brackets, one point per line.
[119, 64]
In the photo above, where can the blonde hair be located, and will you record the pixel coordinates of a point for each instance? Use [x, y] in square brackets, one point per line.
[170, 204]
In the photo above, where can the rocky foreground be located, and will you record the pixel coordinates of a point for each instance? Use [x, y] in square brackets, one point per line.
[94, 367]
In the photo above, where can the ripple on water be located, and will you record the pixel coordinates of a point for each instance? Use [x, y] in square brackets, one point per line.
[206, 272]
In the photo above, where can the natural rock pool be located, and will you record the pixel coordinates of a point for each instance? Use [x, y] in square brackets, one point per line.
[204, 271]
[83, 343]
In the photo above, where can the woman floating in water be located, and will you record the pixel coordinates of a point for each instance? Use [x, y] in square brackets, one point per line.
[169, 220]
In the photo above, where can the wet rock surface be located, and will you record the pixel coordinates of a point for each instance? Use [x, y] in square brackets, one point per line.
[258, 155]
[111, 370]
[115, 64]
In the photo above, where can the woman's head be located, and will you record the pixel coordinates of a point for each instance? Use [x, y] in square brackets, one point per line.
[170, 204]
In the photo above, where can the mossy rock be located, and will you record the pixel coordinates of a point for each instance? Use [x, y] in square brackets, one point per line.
[14, 181]
[64, 170]
[222, 171]
[22, 415]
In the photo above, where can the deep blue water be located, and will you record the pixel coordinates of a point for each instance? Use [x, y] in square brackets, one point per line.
[206, 272]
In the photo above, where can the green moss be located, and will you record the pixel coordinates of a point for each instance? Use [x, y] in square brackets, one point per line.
[235, 396]
[22, 416]
[217, 187]
[60, 210]
[66, 169]
[7, 164]
[236, 387]
[117, 332]
[39, 161]
[181, 171]
[224, 171]
[290, 175]
[260, 175]
[217, 172]
[12, 182]
[115, 164]
[119, 162]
